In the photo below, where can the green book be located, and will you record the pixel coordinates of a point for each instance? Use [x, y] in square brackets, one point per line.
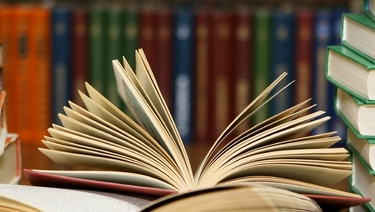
[262, 59]
[368, 7]
[355, 114]
[96, 48]
[351, 72]
[130, 34]
[364, 207]
[113, 51]
[357, 33]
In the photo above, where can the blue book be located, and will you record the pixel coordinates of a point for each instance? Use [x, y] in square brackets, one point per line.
[282, 57]
[61, 60]
[337, 124]
[322, 90]
[183, 69]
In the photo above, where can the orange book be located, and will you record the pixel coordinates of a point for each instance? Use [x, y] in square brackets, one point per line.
[19, 97]
[5, 28]
[40, 76]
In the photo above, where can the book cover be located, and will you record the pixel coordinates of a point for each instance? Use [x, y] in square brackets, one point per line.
[61, 59]
[323, 91]
[97, 46]
[220, 75]
[262, 58]
[80, 51]
[183, 70]
[164, 58]
[303, 55]
[40, 76]
[201, 75]
[354, 24]
[112, 51]
[242, 60]
[341, 61]
[282, 55]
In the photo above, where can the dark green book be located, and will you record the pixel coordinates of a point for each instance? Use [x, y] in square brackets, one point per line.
[368, 7]
[357, 33]
[113, 51]
[351, 72]
[96, 48]
[130, 34]
[262, 59]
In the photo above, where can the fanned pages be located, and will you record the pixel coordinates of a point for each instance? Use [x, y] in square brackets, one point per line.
[141, 150]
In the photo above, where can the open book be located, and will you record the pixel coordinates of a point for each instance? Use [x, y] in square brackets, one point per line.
[142, 152]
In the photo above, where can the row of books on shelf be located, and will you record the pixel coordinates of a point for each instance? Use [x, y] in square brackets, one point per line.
[350, 68]
[193, 53]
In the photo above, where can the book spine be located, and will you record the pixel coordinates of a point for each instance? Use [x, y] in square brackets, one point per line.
[282, 57]
[201, 76]
[130, 34]
[163, 62]
[61, 60]
[8, 57]
[147, 37]
[322, 90]
[221, 64]
[303, 55]
[113, 46]
[21, 72]
[80, 62]
[183, 27]
[262, 59]
[40, 53]
[96, 48]
[242, 63]
[338, 124]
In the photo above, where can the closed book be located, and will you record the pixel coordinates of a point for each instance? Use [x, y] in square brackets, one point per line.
[242, 61]
[130, 34]
[322, 90]
[97, 47]
[183, 70]
[368, 7]
[357, 115]
[351, 72]
[40, 55]
[262, 58]
[282, 55]
[366, 207]
[221, 64]
[80, 51]
[358, 32]
[11, 160]
[362, 146]
[22, 74]
[61, 60]
[201, 75]
[112, 51]
[303, 54]
[164, 56]
[147, 33]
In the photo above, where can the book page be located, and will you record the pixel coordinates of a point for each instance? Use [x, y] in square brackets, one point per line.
[292, 185]
[140, 107]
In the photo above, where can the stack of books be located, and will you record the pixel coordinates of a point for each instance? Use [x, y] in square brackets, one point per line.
[350, 67]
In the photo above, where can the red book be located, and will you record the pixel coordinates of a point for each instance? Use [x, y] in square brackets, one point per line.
[202, 50]
[79, 52]
[303, 55]
[242, 62]
[147, 31]
[162, 65]
[221, 66]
